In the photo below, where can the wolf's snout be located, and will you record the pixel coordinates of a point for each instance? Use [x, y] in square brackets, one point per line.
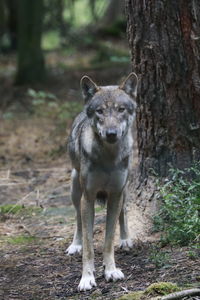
[111, 135]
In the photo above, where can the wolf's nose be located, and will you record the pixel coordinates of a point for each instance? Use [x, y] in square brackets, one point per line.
[111, 135]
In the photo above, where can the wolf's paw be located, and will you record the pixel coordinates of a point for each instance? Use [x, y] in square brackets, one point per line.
[86, 283]
[74, 249]
[113, 275]
[126, 245]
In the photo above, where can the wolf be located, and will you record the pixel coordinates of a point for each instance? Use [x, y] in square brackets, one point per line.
[100, 146]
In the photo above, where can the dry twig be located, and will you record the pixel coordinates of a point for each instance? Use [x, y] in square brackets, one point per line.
[182, 294]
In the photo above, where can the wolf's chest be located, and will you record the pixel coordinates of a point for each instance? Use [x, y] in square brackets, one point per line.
[106, 179]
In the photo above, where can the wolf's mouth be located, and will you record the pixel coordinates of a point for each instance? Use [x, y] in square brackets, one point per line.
[111, 139]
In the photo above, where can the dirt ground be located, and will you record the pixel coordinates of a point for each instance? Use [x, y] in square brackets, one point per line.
[35, 173]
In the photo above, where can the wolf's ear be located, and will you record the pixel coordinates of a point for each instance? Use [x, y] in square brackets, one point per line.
[88, 87]
[130, 85]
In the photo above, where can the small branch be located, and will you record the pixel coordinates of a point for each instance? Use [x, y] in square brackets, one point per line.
[179, 295]
[13, 183]
[19, 202]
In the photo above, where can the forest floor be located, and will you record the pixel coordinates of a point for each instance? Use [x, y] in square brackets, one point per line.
[37, 217]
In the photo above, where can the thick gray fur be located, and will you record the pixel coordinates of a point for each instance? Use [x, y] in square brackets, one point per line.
[100, 147]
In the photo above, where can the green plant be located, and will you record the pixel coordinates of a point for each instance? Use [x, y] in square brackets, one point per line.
[159, 258]
[194, 252]
[22, 239]
[106, 53]
[99, 208]
[43, 102]
[13, 209]
[47, 105]
[161, 288]
[179, 215]
[154, 291]
[50, 40]
[69, 110]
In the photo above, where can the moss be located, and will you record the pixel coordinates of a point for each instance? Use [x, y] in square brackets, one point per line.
[22, 239]
[15, 208]
[10, 208]
[153, 292]
[132, 296]
[161, 288]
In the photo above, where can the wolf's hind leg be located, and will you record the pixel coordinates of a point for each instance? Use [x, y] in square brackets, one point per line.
[125, 241]
[76, 193]
[113, 209]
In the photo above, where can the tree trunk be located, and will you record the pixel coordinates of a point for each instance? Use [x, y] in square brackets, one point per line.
[2, 21]
[92, 9]
[12, 23]
[31, 66]
[62, 26]
[164, 38]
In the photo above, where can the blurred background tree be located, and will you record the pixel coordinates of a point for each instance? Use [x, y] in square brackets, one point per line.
[30, 55]
[2, 21]
[29, 28]
[12, 22]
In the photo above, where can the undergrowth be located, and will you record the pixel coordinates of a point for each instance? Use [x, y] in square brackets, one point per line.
[159, 258]
[47, 105]
[14, 209]
[22, 239]
[179, 215]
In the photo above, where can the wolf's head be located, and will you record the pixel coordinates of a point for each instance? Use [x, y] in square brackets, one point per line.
[111, 109]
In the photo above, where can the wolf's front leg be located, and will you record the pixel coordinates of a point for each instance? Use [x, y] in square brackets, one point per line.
[76, 193]
[113, 210]
[87, 215]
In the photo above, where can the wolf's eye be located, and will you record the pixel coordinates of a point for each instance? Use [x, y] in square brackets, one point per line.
[99, 111]
[121, 109]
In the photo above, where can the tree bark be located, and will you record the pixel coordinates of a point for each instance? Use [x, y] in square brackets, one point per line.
[31, 66]
[164, 38]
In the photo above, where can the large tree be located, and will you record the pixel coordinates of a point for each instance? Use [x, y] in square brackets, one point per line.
[164, 38]
[2, 21]
[30, 56]
[12, 22]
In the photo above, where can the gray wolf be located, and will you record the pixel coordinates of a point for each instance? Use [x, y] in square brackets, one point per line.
[100, 147]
